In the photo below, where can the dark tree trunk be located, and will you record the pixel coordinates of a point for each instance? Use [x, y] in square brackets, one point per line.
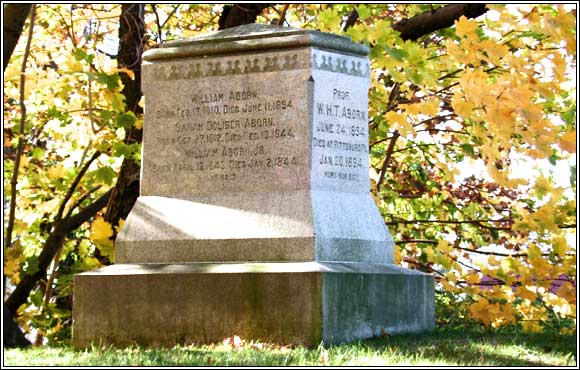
[425, 23]
[239, 14]
[12, 334]
[14, 18]
[131, 41]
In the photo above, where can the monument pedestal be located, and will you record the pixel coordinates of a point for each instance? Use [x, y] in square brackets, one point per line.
[254, 217]
[287, 302]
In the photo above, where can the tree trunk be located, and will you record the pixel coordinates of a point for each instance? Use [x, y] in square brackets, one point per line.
[131, 40]
[12, 334]
[239, 14]
[14, 18]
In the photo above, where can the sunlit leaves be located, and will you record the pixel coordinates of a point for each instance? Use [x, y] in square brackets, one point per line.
[568, 141]
[101, 233]
[74, 106]
[499, 86]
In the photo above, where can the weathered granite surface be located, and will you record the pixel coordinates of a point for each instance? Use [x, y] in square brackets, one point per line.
[294, 302]
[255, 217]
[256, 155]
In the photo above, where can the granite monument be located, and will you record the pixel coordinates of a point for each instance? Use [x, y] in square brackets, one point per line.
[254, 217]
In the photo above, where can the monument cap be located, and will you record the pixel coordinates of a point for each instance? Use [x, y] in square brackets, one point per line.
[253, 37]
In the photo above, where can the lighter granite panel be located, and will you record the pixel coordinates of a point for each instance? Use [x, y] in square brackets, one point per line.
[340, 150]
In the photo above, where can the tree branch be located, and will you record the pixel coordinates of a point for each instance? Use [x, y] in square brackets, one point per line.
[131, 34]
[154, 9]
[472, 222]
[387, 158]
[14, 19]
[49, 250]
[425, 23]
[351, 19]
[412, 241]
[283, 15]
[80, 200]
[74, 185]
[170, 15]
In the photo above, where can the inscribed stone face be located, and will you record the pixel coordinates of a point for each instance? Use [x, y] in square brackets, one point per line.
[340, 122]
[226, 124]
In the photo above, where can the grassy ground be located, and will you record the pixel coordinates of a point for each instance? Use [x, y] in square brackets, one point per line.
[444, 347]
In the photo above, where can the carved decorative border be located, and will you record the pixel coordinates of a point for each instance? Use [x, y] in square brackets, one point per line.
[233, 67]
[249, 65]
[337, 64]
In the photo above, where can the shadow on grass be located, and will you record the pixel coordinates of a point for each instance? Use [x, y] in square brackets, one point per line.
[448, 347]
[473, 346]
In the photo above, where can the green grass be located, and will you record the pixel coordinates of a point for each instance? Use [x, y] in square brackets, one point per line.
[443, 347]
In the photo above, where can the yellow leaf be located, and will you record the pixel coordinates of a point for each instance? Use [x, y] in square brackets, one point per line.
[107, 248]
[465, 27]
[399, 121]
[397, 255]
[430, 253]
[443, 260]
[560, 245]
[450, 276]
[101, 229]
[567, 292]
[90, 263]
[11, 267]
[543, 186]
[120, 226]
[127, 71]
[495, 50]
[484, 311]
[568, 142]
[56, 172]
[138, 124]
[444, 246]
[534, 252]
[412, 109]
[472, 278]
[510, 264]
[431, 108]
[526, 293]
[505, 316]
[447, 286]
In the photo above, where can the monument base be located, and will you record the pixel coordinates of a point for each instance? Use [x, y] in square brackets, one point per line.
[284, 302]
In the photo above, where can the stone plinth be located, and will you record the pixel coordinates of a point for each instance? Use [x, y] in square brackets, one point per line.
[294, 302]
[255, 149]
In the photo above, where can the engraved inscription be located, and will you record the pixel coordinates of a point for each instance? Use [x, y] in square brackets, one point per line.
[340, 132]
[227, 133]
